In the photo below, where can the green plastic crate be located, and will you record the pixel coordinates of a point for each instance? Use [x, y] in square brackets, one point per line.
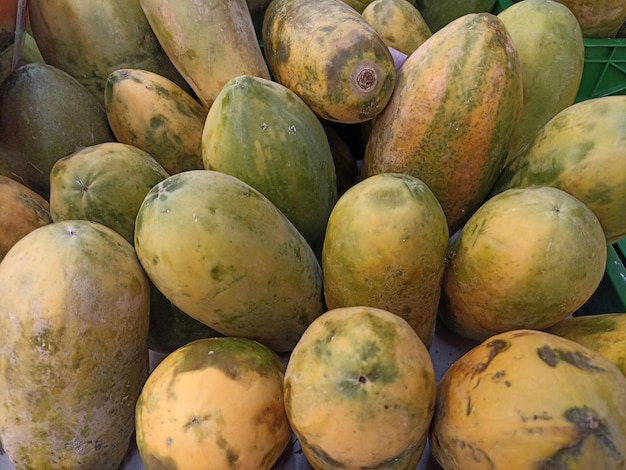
[604, 71]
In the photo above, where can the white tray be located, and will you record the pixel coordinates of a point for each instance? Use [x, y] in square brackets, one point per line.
[446, 349]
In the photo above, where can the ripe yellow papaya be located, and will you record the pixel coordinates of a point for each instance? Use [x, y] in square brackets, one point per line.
[74, 353]
[150, 112]
[529, 399]
[385, 247]
[366, 371]
[330, 56]
[210, 42]
[214, 403]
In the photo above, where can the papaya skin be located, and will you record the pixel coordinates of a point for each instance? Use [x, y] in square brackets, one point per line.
[452, 114]
[604, 333]
[549, 403]
[23, 210]
[217, 400]
[365, 370]
[330, 56]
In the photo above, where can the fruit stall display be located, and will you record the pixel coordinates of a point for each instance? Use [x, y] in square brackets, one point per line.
[297, 235]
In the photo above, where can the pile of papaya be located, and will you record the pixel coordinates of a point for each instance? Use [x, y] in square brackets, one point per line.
[284, 200]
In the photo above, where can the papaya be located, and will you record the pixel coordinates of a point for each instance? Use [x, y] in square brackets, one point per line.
[581, 150]
[30, 53]
[399, 24]
[149, 111]
[263, 134]
[526, 259]
[598, 18]
[89, 39]
[45, 114]
[214, 403]
[23, 210]
[210, 42]
[439, 13]
[603, 333]
[385, 247]
[530, 399]
[453, 112]
[74, 353]
[103, 183]
[366, 371]
[550, 46]
[330, 56]
[225, 255]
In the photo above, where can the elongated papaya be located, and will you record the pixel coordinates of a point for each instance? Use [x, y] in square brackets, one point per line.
[153, 113]
[449, 122]
[330, 56]
[209, 41]
[89, 39]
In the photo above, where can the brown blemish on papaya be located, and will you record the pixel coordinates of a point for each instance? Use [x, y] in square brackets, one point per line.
[500, 377]
[535, 417]
[475, 453]
[553, 356]
[495, 347]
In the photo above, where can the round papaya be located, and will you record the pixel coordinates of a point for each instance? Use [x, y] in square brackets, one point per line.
[213, 403]
[385, 247]
[225, 255]
[74, 310]
[529, 399]
[103, 183]
[527, 258]
[366, 371]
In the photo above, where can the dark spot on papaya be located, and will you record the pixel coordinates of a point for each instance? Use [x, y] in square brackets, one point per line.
[495, 347]
[156, 122]
[553, 356]
[468, 406]
[589, 423]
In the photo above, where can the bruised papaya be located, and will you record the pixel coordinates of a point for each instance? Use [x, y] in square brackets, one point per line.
[150, 112]
[385, 247]
[528, 399]
[214, 403]
[262, 133]
[74, 353]
[330, 56]
[210, 42]
[89, 39]
[225, 255]
[450, 119]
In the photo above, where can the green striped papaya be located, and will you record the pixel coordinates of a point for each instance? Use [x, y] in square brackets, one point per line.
[385, 247]
[149, 111]
[549, 403]
[214, 403]
[210, 42]
[225, 255]
[366, 371]
[550, 46]
[330, 56]
[74, 356]
[452, 114]
[263, 133]
[89, 39]
[581, 150]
